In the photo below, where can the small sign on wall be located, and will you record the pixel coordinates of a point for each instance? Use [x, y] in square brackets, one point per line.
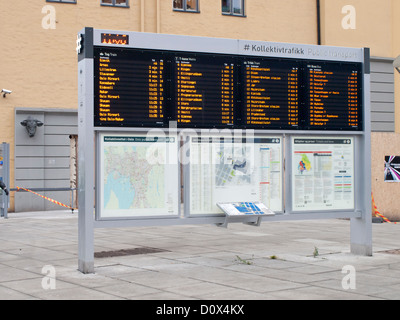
[392, 169]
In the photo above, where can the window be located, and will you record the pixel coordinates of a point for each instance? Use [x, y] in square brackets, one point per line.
[62, 1]
[233, 7]
[115, 3]
[186, 5]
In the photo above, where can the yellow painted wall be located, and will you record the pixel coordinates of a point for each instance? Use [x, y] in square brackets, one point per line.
[373, 27]
[266, 20]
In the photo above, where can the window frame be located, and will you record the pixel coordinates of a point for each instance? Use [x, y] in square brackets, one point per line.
[231, 13]
[114, 4]
[185, 9]
[63, 1]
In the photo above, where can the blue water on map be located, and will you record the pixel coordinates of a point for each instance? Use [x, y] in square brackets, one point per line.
[122, 188]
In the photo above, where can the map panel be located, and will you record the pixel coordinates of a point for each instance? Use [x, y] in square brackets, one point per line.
[226, 169]
[136, 179]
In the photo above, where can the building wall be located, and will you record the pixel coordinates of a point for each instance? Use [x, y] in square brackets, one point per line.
[266, 20]
[382, 95]
[386, 194]
[43, 161]
[373, 25]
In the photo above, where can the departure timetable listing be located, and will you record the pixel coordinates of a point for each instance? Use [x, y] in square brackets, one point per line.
[333, 96]
[271, 94]
[148, 88]
[130, 88]
[204, 91]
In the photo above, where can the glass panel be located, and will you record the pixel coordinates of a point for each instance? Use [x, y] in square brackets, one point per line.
[226, 6]
[238, 7]
[121, 2]
[178, 4]
[106, 1]
[191, 5]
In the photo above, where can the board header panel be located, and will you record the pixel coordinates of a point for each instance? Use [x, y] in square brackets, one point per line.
[154, 41]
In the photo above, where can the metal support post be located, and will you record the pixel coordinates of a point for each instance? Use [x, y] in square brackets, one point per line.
[86, 158]
[361, 228]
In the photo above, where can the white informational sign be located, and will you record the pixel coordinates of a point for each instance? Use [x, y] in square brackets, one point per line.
[136, 177]
[322, 173]
[245, 208]
[235, 170]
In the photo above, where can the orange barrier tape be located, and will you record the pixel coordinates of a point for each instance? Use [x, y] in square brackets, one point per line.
[46, 198]
[378, 213]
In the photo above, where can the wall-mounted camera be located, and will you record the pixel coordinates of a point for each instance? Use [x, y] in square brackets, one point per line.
[5, 92]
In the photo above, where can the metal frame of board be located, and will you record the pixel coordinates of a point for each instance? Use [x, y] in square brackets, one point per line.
[361, 227]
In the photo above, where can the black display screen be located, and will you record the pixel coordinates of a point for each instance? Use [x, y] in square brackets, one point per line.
[204, 90]
[333, 96]
[147, 88]
[271, 94]
[129, 88]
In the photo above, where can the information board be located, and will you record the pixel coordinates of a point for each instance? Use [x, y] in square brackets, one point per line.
[322, 173]
[149, 88]
[245, 208]
[226, 169]
[135, 176]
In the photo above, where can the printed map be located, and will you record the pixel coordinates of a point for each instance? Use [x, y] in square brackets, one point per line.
[130, 181]
[232, 168]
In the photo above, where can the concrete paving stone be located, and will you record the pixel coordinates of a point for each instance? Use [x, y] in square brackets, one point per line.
[159, 280]
[211, 262]
[201, 290]
[360, 288]
[25, 264]
[8, 256]
[13, 274]
[235, 294]
[393, 266]
[318, 293]
[10, 294]
[311, 269]
[34, 286]
[259, 284]
[115, 270]
[41, 253]
[162, 296]
[375, 280]
[302, 278]
[388, 295]
[275, 263]
[75, 293]
[127, 290]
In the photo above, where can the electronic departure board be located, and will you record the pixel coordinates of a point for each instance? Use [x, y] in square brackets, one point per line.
[147, 88]
[129, 88]
[333, 96]
[204, 90]
[271, 94]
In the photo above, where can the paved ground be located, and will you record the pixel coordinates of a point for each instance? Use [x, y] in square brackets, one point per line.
[273, 261]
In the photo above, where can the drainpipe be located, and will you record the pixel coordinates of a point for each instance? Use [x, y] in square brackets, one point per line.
[158, 16]
[142, 15]
[319, 22]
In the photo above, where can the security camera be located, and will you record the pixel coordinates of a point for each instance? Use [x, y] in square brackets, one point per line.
[5, 91]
